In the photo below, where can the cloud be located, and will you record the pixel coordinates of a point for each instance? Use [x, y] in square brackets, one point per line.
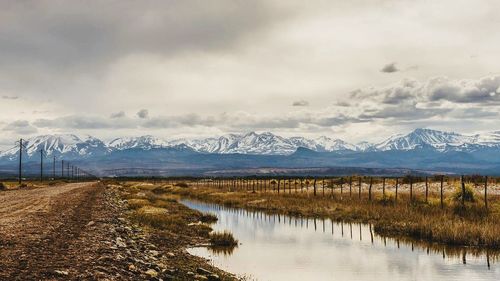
[482, 91]
[97, 32]
[300, 103]
[438, 98]
[119, 114]
[390, 68]
[21, 127]
[474, 91]
[10, 97]
[75, 122]
[143, 113]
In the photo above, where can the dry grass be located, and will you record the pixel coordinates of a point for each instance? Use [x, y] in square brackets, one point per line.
[171, 226]
[471, 225]
[151, 207]
[222, 239]
[208, 218]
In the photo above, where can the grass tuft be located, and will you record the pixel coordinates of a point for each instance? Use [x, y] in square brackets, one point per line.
[182, 184]
[222, 239]
[208, 218]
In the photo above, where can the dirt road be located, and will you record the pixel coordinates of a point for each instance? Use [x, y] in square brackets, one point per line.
[81, 231]
[65, 232]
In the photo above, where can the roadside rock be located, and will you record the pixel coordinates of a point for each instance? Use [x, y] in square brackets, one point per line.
[61, 272]
[151, 273]
[200, 277]
[203, 271]
[213, 277]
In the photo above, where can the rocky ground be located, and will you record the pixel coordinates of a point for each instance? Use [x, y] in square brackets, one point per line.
[80, 231]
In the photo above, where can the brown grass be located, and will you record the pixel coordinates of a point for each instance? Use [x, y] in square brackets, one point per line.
[222, 239]
[470, 225]
[160, 211]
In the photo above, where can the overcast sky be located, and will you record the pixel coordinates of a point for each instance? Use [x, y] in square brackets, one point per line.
[356, 70]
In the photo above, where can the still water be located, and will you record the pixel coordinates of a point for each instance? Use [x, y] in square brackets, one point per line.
[277, 247]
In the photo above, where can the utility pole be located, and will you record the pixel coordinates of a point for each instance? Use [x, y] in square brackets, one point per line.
[54, 169]
[20, 159]
[41, 165]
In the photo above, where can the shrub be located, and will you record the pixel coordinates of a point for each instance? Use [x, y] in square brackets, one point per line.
[2, 186]
[222, 239]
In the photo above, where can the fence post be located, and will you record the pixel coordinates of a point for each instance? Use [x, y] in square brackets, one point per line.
[370, 189]
[397, 185]
[383, 187]
[350, 186]
[442, 180]
[323, 186]
[279, 182]
[314, 186]
[463, 190]
[332, 185]
[411, 189]
[341, 188]
[486, 192]
[359, 187]
[426, 189]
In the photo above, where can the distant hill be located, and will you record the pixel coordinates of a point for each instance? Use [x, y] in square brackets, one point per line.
[422, 149]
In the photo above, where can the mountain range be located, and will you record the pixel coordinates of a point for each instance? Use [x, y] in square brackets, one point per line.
[419, 149]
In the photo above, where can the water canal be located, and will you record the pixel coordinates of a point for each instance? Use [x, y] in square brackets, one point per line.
[277, 247]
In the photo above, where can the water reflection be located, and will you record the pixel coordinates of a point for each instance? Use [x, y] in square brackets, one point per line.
[277, 247]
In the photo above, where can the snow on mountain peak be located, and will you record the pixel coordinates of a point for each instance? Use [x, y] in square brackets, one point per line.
[421, 138]
[266, 143]
[143, 142]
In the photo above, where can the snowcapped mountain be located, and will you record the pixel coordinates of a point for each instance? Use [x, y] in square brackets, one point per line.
[142, 142]
[71, 146]
[490, 139]
[265, 143]
[74, 147]
[439, 140]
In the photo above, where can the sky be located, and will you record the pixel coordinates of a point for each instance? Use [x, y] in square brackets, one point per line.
[355, 70]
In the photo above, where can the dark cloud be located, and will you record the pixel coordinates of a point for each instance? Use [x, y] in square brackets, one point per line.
[485, 90]
[343, 104]
[64, 34]
[409, 112]
[78, 44]
[300, 103]
[10, 97]
[390, 68]
[20, 127]
[189, 120]
[397, 96]
[143, 113]
[120, 114]
[76, 122]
